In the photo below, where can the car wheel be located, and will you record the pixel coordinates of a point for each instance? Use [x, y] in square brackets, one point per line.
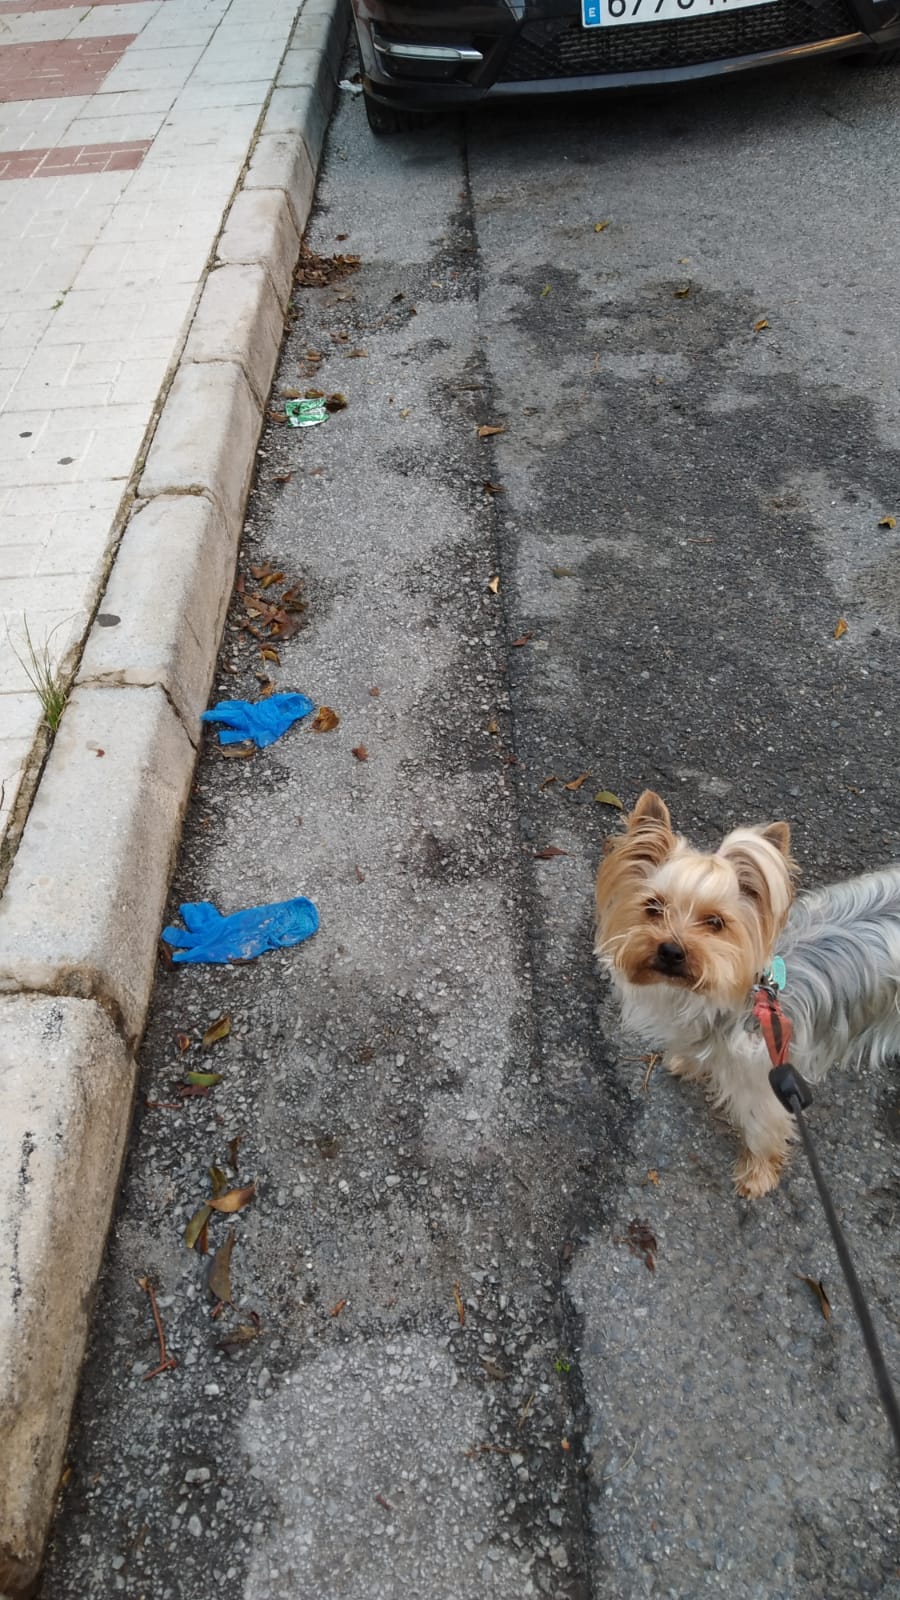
[387, 119]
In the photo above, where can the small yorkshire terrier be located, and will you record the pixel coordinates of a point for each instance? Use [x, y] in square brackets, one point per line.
[687, 935]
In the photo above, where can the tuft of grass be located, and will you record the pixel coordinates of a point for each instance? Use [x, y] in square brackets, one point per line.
[45, 676]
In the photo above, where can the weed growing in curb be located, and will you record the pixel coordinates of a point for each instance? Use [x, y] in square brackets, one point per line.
[44, 675]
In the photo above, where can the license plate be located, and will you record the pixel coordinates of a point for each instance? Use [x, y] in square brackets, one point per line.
[607, 13]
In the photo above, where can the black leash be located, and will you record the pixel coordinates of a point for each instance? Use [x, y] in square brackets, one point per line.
[795, 1095]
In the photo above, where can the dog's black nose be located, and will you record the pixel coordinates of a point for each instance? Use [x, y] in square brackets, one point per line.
[671, 955]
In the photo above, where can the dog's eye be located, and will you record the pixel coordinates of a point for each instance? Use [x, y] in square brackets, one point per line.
[653, 908]
[715, 923]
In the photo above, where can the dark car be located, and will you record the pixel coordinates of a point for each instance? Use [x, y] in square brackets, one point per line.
[425, 55]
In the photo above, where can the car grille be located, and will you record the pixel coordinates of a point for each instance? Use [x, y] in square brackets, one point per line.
[562, 48]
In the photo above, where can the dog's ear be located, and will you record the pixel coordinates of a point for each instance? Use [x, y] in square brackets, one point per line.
[778, 834]
[650, 810]
[768, 882]
[649, 836]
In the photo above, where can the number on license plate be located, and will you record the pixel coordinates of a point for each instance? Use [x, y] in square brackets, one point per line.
[603, 13]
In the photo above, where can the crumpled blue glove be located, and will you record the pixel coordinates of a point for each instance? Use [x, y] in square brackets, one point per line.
[212, 938]
[263, 721]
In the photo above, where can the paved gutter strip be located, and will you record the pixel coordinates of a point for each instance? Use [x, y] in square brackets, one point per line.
[80, 916]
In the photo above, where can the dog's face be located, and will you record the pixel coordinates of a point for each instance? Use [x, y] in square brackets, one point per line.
[668, 914]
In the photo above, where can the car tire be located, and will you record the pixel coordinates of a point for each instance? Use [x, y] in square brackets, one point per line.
[385, 120]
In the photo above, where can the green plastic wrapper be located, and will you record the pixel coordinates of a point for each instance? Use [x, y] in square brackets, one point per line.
[305, 413]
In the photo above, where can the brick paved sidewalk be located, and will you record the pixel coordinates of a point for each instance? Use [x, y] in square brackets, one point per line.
[124, 128]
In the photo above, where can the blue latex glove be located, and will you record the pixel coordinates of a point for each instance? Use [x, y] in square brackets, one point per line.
[263, 721]
[212, 938]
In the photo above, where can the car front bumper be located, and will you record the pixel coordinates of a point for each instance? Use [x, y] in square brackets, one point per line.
[429, 55]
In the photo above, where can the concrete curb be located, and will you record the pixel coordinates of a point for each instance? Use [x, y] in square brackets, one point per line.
[81, 912]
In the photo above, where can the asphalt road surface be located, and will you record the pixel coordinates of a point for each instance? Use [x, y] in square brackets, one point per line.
[462, 1380]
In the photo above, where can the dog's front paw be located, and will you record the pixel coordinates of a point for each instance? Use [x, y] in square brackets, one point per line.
[755, 1176]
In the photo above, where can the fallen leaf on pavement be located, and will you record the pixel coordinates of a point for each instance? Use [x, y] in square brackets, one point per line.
[360, 752]
[234, 1199]
[317, 272]
[683, 292]
[517, 643]
[237, 1337]
[218, 1180]
[577, 782]
[887, 522]
[234, 1146]
[336, 402]
[282, 477]
[547, 782]
[460, 1308]
[763, 322]
[492, 488]
[641, 1241]
[599, 226]
[220, 1029]
[605, 797]
[841, 628]
[488, 429]
[268, 654]
[183, 1041]
[219, 1279]
[196, 1225]
[206, 1080]
[494, 583]
[652, 1177]
[547, 289]
[337, 1309]
[818, 1289]
[356, 354]
[562, 572]
[325, 720]
[494, 1369]
[237, 752]
[549, 852]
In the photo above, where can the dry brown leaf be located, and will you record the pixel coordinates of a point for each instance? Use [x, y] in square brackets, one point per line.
[234, 1146]
[605, 797]
[325, 720]
[494, 583]
[683, 292]
[268, 654]
[196, 1226]
[841, 627]
[493, 726]
[237, 752]
[576, 783]
[494, 1369]
[219, 1280]
[887, 522]
[547, 781]
[460, 1307]
[492, 488]
[763, 322]
[549, 852]
[653, 1177]
[641, 1241]
[282, 477]
[356, 354]
[360, 752]
[562, 572]
[600, 226]
[220, 1029]
[336, 402]
[183, 1041]
[517, 643]
[337, 1309]
[818, 1289]
[237, 1337]
[233, 1199]
[218, 1180]
[488, 429]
